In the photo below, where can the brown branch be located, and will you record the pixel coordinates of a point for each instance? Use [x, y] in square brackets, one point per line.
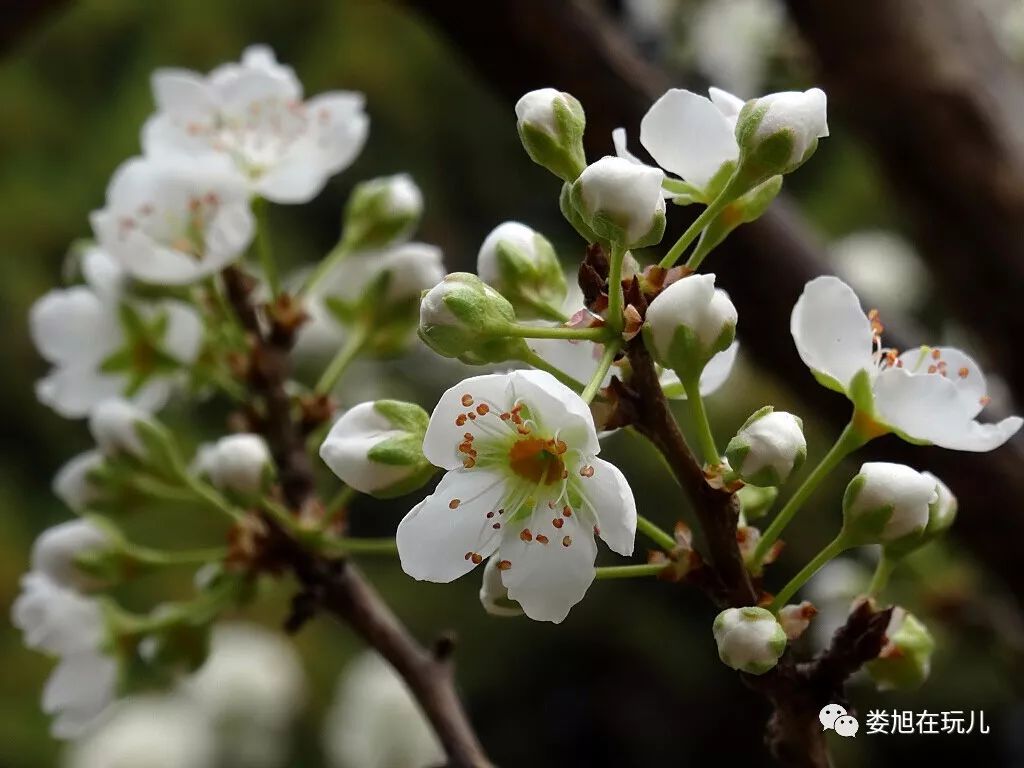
[332, 584]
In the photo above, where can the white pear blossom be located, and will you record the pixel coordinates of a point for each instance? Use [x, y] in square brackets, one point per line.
[81, 332]
[59, 621]
[494, 593]
[236, 463]
[768, 447]
[375, 722]
[150, 731]
[626, 196]
[926, 394]
[72, 485]
[113, 425]
[251, 687]
[375, 448]
[175, 219]
[749, 639]
[55, 550]
[887, 501]
[253, 114]
[689, 322]
[523, 485]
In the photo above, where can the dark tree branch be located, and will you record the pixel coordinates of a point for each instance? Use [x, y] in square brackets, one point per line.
[331, 584]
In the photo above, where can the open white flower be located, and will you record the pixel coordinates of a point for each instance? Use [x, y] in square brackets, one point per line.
[151, 731]
[55, 550]
[376, 723]
[253, 113]
[82, 332]
[174, 219]
[523, 484]
[925, 395]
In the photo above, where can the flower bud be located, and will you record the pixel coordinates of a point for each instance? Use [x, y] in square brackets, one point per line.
[114, 426]
[56, 549]
[795, 619]
[550, 125]
[494, 594]
[768, 448]
[887, 504]
[377, 448]
[464, 318]
[522, 265]
[621, 202]
[779, 132]
[906, 657]
[942, 512]
[381, 212]
[749, 639]
[237, 463]
[688, 323]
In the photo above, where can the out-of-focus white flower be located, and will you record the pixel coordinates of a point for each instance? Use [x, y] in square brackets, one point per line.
[376, 448]
[832, 591]
[236, 463]
[253, 113]
[926, 394]
[55, 550]
[82, 332]
[251, 688]
[733, 40]
[173, 220]
[381, 212]
[113, 425]
[523, 484]
[883, 266]
[376, 723]
[150, 731]
[72, 485]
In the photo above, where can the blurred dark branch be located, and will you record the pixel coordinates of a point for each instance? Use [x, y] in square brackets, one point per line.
[570, 44]
[940, 104]
[331, 584]
[20, 17]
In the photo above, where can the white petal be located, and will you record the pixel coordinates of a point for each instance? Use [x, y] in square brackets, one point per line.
[437, 537]
[548, 579]
[73, 391]
[971, 386]
[609, 498]
[184, 335]
[579, 359]
[73, 326]
[184, 94]
[621, 148]
[557, 408]
[832, 333]
[78, 690]
[55, 550]
[338, 130]
[103, 274]
[688, 135]
[929, 407]
[443, 437]
[727, 104]
[71, 484]
[346, 447]
[714, 375]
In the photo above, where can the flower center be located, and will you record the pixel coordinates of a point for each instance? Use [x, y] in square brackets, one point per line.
[537, 460]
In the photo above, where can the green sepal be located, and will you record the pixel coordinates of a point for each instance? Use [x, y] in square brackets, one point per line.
[755, 501]
[563, 153]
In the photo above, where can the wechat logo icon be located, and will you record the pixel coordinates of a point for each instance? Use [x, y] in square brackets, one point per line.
[835, 717]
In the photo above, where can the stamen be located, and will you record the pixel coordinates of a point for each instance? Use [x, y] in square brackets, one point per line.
[963, 372]
[496, 526]
[586, 471]
[477, 558]
[483, 409]
[460, 420]
[984, 400]
[558, 522]
[467, 400]
[504, 565]
[936, 354]
[566, 541]
[597, 531]
[454, 504]
[567, 511]
[525, 535]
[469, 463]
[490, 514]
[542, 539]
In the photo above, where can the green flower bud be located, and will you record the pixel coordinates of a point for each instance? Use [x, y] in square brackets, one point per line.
[550, 125]
[377, 448]
[749, 639]
[381, 212]
[887, 504]
[688, 323]
[768, 448]
[906, 658]
[522, 265]
[779, 132]
[464, 318]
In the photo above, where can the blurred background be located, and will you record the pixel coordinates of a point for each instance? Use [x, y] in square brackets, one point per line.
[917, 198]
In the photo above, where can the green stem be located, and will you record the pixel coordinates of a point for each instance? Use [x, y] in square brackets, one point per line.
[700, 252]
[532, 358]
[629, 571]
[356, 546]
[831, 550]
[615, 300]
[880, 580]
[349, 351]
[338, 503]
[211, 496]
[697, 227]
[264, 250]
[700, 418]
[849, 441]
[324, 268]
[161, 557]
[600, 333]
[655, 534]
[611, 349]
